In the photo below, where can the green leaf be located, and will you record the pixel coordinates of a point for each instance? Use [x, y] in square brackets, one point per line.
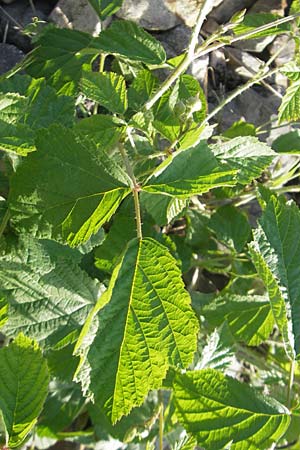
[104, 129]
[231, 226]
[240, 128]
[219, 350]
[108, 89]
[189, 172]
[247, 155]
[146, 325]
[253, 21]
[23, 384]
[3, 310]
[275, 252]
[162, 208]
[250, 318]
[127, 39]
[32, 105]
[143, 86]
[67, 189]
[60, 56]
[222, 412]
[291, 70]
[49, 295]
[106, 8]
[289, 109]
[288, 143]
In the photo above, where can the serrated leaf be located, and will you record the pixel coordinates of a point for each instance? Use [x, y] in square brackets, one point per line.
[275, 252]
[255, 20]
[188, 172]
[141, 89]
[218, 352]
[291, 70]
[222, 412]
[231, 226]
[40, 108]
[250, 318]
[23, 384]
[60, 56]
[162, 208]
[67, 189]
[289, 109]
[146, 325]
[104, 129]
[247, 155]
[107, 88]
[127, 39]
[49, 295]
[105, 8]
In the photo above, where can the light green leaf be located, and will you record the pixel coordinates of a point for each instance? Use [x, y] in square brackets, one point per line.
[16, 138]
[219, 350]
[222, 412]
[127, 39]
[189, 172]
[247, 155]
[291, 70]
[103, 129]
[60, 57]
[253, 21]
[49, 295]
[276, 254]
[12, 106]
[106, 8]
[240, 128]
[250, 318]
[231, 226]
[23, 385]
[67, 189]
[107, 88]
[146, 325]
[3, 310]
[289, 109]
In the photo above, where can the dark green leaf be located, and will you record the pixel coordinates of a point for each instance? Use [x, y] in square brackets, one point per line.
[105, 130]
[127, 39]
[67, 189]
[108, 89]
[288, 143]
[290, 106]
[253, 21]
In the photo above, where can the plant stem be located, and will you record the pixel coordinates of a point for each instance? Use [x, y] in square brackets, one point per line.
[161, 421]
[236, 93]
[135, 191]
[290, 384]
[4, 222]
[101, 62]
[189, 57]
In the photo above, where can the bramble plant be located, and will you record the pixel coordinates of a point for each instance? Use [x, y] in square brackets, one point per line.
[138, 306]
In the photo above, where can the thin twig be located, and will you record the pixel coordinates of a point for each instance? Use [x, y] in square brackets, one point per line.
[189, 57]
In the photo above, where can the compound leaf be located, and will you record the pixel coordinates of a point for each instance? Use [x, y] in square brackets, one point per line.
[189, 172]
[127, 39]
[67, 189]
[146, 325]
[275, 252]
[23, 384]
[108, 89]
[222, 412]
